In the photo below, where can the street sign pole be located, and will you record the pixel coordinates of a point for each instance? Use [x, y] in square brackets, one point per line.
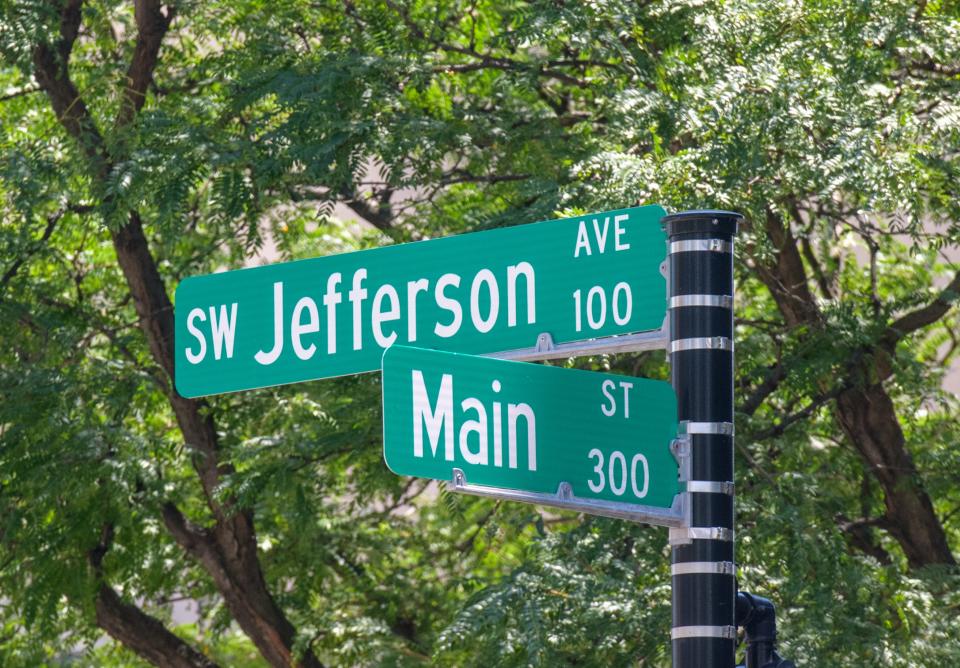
[700, 291]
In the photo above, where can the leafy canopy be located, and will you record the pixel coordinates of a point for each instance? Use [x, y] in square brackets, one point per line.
[274, 128]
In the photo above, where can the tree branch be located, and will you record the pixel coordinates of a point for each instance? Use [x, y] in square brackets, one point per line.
[462, 176]
[769, 385]
[860, 536]
[467, 544]
[805, 412]
[786, 278]
[810, 257]
[19, 92]
[380, 216]
[932, 67]
[126, 623]
[485, 60]
[152, 25]
[924, 316]
[52, 221]
[51, 70]
[488, 62]
[193, 539]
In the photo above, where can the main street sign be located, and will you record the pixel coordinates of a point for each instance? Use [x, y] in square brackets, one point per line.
[573, 279]
[595, 442]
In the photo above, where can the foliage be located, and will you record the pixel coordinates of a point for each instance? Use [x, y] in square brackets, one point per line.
[276, 127]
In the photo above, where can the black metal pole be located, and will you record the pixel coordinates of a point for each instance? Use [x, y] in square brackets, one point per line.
[700, 280]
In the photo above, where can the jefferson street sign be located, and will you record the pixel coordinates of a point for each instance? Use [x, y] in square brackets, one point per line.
[592, 441]
[575, 279]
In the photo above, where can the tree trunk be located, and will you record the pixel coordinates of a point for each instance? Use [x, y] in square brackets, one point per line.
[229, 550]
[869, 421]
[865, 411]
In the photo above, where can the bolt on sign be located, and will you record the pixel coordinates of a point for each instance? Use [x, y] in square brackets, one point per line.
[578, 278]
[552, 432]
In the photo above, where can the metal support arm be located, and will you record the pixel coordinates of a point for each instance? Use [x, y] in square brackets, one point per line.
[758, 618]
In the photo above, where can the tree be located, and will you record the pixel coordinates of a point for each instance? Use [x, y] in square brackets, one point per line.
[146, 142]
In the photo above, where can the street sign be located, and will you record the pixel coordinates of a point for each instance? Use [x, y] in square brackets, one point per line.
[573, 279]
[592, 441]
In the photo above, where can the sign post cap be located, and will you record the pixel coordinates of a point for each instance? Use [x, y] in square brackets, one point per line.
[702, 221]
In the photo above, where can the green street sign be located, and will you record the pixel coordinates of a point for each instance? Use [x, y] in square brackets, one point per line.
[564, 437]
[574, 279]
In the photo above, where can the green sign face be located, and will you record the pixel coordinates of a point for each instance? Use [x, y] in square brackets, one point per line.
[522, 426]
[575, 279]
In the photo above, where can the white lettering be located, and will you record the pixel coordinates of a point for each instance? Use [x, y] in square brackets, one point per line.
[297, 327]
[271, 357]
[451, 305]
[514, 411]
[330, 300]
[622, 318]
[583, 241]
[479, 427]
[525, 269]
[618, 460]
[596, 488]
[441, 415]
[596, 291]
[618, 232]
[484, 276]
[413, 289]
[577, 308]
[618, 489]
[601, 237]
[380, 316]
[196, 358]
[223, 329]
[356, 295]
[497, 428]
[642, 492]
[627, 386]
[605, 387]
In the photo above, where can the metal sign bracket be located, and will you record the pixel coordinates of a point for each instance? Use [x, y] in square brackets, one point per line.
[547, 349]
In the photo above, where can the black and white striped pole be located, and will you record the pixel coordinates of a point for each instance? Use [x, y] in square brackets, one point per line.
[700, 290]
